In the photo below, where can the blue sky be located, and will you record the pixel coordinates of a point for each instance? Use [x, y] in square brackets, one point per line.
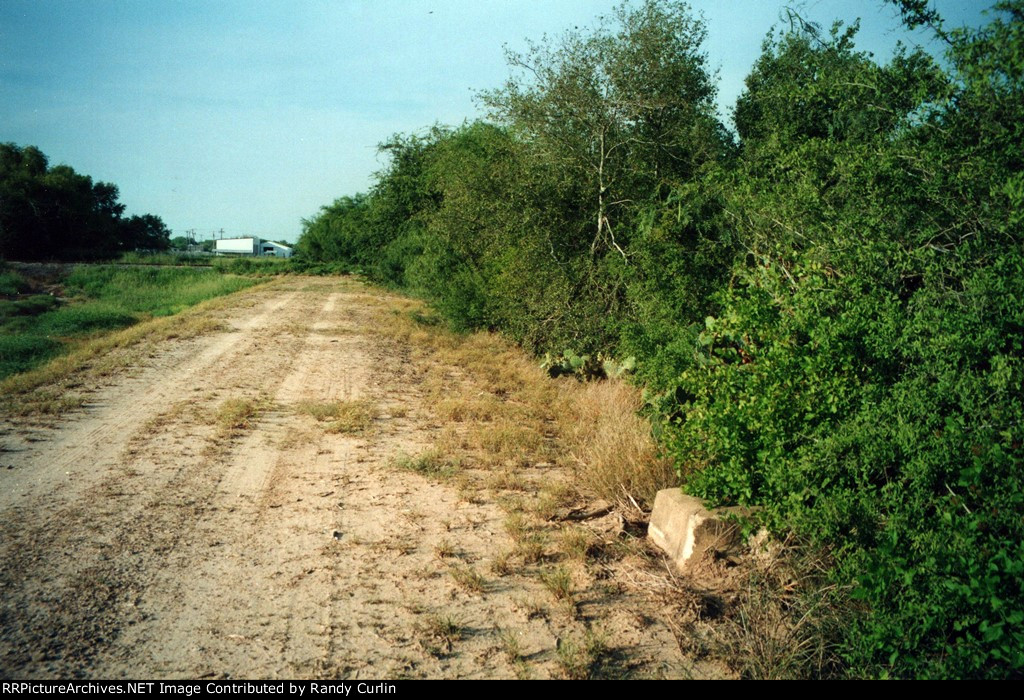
[249, 115]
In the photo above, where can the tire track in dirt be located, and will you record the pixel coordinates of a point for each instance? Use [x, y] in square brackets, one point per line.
[336, 548]
[264, 524]
[90, 508]
[134, 400]
[141, 538]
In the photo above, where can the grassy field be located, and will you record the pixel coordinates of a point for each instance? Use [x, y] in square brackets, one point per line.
[235, 265]
[95, 300]
[172, 258]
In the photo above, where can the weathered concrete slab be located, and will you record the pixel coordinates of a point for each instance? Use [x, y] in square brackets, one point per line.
[682, 527]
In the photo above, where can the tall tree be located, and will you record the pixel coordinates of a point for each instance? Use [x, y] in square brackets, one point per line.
[57, 213]
[618, 110]
[146, 232]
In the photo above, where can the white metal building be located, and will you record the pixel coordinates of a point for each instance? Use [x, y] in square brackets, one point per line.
[250, 245]
[275, 249]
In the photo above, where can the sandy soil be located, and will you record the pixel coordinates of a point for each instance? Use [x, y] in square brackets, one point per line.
[138, 538]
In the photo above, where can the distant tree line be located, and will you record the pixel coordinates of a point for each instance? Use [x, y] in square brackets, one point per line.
[826, 306]
[55, 213]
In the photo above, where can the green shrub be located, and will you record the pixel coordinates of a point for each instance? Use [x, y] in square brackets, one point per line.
[889, 433]
[252, 266]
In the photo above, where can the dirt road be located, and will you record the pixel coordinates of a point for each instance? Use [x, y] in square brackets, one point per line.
[153, 534]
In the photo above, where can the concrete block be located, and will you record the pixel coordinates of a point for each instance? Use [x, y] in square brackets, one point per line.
[682, 527]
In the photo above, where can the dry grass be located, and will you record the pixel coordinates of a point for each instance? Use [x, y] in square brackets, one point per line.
[532, 608]
[529, 543]
[501, 565]
[577, 542]
[514, 430]
[438, 634]
[612, 446]
[558, 582]
[510, 645]
[238, 414]
[445, 550]
[318, 410]
[45, 402]
[341, 416]
[508, 480]
[462, 408]
[531, 548]
[468, 490]
[583, 659]
[785, 620]
[468, 578]
[513, 651]
[553, 497]
[517, 527]
[512, 414]
[452, 441]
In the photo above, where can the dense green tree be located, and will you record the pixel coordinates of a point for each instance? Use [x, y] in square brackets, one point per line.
[618, 111]
[337, 232]
[146, 232]
[57, 213]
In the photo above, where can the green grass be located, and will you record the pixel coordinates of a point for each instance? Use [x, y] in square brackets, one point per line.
[21, 352]
[73, 321]
[172, 258]
[11, 282]
[102, 298]
[253, 266]
[28, 306]
[156, 291]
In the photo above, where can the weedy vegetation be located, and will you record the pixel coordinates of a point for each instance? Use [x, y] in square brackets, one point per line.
[468, 578]
[347, 417]
[96, 301]
[439, 633]
[583, 658]
[237, 415]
